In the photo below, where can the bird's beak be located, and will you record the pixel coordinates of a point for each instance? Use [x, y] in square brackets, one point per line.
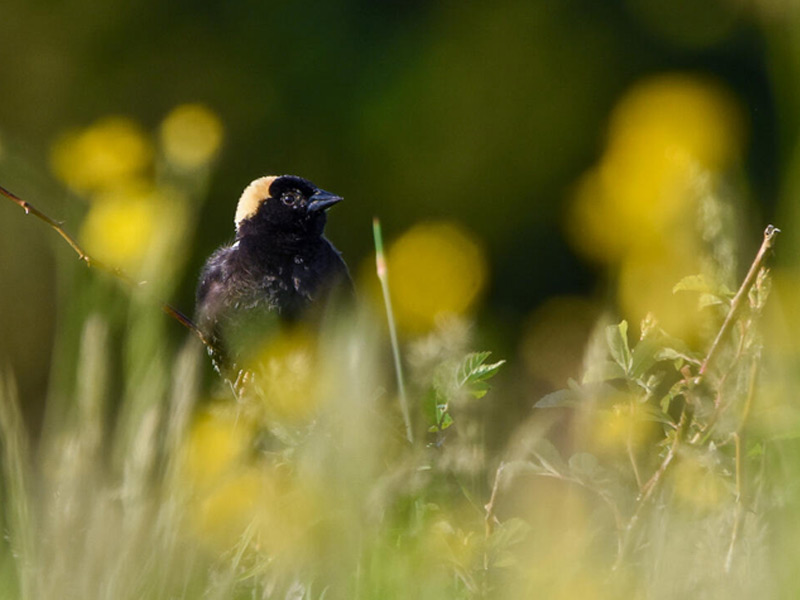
[322, 200]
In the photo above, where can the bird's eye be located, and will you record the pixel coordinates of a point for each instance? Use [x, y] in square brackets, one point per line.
[291, 198]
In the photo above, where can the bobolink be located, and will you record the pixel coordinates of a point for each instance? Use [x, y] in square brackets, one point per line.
[279, 268]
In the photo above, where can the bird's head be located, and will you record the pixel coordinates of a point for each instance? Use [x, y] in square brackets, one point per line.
[283, 203]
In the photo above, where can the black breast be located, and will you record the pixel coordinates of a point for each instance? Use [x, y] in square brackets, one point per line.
[247, 289]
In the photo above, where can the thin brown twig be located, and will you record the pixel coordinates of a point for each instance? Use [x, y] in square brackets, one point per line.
[736, 304]
[705, 431]
[649, 487]
[738, 300]
[92, 262]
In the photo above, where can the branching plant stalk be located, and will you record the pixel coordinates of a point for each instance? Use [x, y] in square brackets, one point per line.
[738, 300]
[650, 486]
[383, 276]
[92, 262]
[736, 305]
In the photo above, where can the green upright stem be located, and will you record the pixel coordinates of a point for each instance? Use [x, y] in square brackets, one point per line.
[383, 276]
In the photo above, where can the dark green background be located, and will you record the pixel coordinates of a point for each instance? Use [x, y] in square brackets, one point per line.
[482, 112]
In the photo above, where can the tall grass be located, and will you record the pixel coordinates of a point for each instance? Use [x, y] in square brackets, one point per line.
[654, 476]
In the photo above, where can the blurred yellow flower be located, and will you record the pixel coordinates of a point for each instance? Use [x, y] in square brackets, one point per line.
[224, 513]
[104, 154]
[435, 269]
[286, 374]
[125, 224]
[625, 425]
[678, 114]
[664, 135]
[645, 283]
[263, 503]
[191, 136]
[216, 445]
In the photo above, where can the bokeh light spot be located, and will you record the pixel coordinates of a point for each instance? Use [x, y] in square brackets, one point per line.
[215, 445]
[191, 136]
[286, 372]
[124, 224]
[663, 135]
[104, 154]
[622, 427]
[435, 269]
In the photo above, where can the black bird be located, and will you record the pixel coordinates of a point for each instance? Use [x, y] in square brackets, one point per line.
[280, 265]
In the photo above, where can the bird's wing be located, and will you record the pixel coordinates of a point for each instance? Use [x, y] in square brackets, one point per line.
[211, 300]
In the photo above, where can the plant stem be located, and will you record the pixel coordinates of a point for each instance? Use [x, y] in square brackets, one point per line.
[736, 304]
[649, 487]
[738, 300]
[383, 276]
[90, 261]
[739, 506]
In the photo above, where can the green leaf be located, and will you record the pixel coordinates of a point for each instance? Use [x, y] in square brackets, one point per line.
[693, 283]
[604, 370]
[577, 394]
[707, 300]
[644, 356]
[559, 399]
[678, 388]
[651, 413]
[472, 374]
[617, 337]
[444, 421]
[447, 420]
[673, 349]
[711, 292]
[669, 354]
[435, 407]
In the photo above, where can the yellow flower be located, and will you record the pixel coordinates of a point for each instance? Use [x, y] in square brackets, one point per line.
[261, 506]
[104, 154]
[435, 269]
[223, 514]
[625, 425]
[191, 136]
[216, 445]
[646, 280]
[665, 135]
[286, 374]
[131, 223]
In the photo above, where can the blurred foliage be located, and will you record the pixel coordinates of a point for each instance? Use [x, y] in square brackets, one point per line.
[577, 186]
